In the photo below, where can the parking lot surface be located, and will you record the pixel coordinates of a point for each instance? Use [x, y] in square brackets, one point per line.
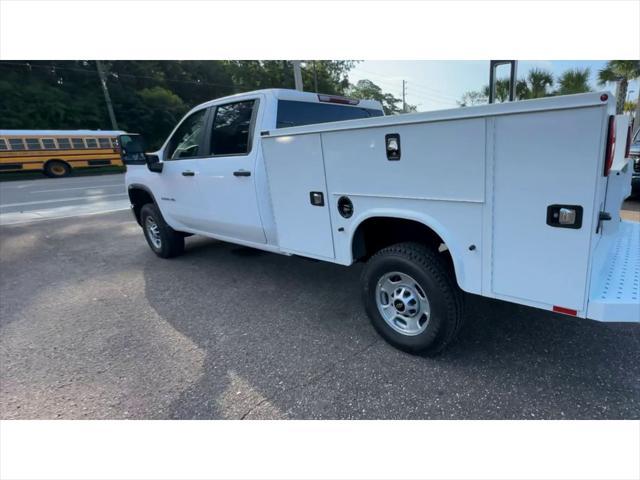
[94, 325]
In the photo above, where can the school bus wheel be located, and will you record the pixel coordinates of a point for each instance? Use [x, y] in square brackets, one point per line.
[56, 168]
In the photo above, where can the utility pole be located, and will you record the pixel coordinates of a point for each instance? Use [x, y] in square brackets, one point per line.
[297, 74]
[107, 98]
[404, 102]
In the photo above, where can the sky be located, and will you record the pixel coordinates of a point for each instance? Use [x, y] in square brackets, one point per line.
[438, 84]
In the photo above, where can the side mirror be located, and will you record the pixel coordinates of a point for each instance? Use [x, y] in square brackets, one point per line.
[132, 149]
[154, 164]
[132, 152]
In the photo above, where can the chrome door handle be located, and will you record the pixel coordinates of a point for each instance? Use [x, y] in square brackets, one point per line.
[188, 173]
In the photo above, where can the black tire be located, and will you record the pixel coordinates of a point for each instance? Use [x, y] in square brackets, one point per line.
[57, 169]
[434, 279]
[171, 242]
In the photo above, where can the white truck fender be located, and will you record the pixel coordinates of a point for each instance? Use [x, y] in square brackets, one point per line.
[454, 246]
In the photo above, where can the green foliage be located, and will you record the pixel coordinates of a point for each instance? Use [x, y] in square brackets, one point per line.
[366, 89]
[621, 72]
[538, 83]
[574, 81]
[474, 98]
[148, 97]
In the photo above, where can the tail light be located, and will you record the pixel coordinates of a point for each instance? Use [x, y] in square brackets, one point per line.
[611, 145]
[337, 99]
[629, 133]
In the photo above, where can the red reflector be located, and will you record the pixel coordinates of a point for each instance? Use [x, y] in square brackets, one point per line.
[611, 145]
[337, 99]
[566, 311]
[604, 97]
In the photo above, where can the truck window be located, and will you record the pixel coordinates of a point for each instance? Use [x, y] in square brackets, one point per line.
[292, 113]
[231, 128]
[185, 141]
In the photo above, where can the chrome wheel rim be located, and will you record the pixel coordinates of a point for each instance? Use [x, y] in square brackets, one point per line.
[153, 232]
[403, 303]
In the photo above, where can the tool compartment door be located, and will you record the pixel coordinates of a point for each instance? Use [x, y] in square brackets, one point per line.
[295, 171]
[542, 159]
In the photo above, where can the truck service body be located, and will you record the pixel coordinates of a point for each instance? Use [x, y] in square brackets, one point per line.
[517, 201]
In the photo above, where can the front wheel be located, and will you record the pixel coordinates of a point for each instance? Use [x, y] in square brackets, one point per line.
[163, 240]
[411, 298]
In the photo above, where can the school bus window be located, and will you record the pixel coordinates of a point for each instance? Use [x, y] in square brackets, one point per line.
[104, 143]
[33, 144]
[3, 144]
[91, 142]
[114, 142]
[77, 143]
[48, 143]
[64, 143]
[16, 144]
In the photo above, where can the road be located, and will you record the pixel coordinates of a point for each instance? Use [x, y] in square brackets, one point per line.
[31, 200]
[93, 325]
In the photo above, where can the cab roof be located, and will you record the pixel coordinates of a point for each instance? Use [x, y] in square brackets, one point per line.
[296, 95]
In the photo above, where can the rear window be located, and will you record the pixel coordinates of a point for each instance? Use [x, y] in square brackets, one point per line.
[292, 114]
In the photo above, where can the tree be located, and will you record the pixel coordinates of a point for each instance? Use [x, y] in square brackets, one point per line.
[473, 98]
[574, 81]
[536, 84]
[502, 90]
[366, 89]
[621, 72]
[148, 96]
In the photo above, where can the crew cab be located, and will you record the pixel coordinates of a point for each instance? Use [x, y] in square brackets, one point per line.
[517, 201]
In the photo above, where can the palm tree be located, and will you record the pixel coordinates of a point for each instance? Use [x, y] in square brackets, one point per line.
[574, 81]
[537, 82]
[620, 71]
[502, 90]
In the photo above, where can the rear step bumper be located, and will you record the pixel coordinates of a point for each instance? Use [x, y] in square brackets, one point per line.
[615, 285]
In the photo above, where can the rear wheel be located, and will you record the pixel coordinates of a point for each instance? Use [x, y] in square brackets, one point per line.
[163, 240]
[56, 169]
[411, 298]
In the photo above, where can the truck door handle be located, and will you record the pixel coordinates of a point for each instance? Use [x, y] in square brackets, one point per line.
[241, 173]
[188, 173]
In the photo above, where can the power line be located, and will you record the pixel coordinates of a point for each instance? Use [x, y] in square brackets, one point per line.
[431, 90]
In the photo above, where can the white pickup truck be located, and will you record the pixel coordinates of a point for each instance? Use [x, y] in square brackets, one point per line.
[517, 201]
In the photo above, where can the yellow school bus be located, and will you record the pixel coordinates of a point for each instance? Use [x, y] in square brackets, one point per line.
[57, 152]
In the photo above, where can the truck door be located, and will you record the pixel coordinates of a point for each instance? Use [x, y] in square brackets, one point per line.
[175, 188]
[226, 176]
[295, 169]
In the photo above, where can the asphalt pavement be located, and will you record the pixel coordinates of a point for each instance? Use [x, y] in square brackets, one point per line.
[44, 198]
[94, 325]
